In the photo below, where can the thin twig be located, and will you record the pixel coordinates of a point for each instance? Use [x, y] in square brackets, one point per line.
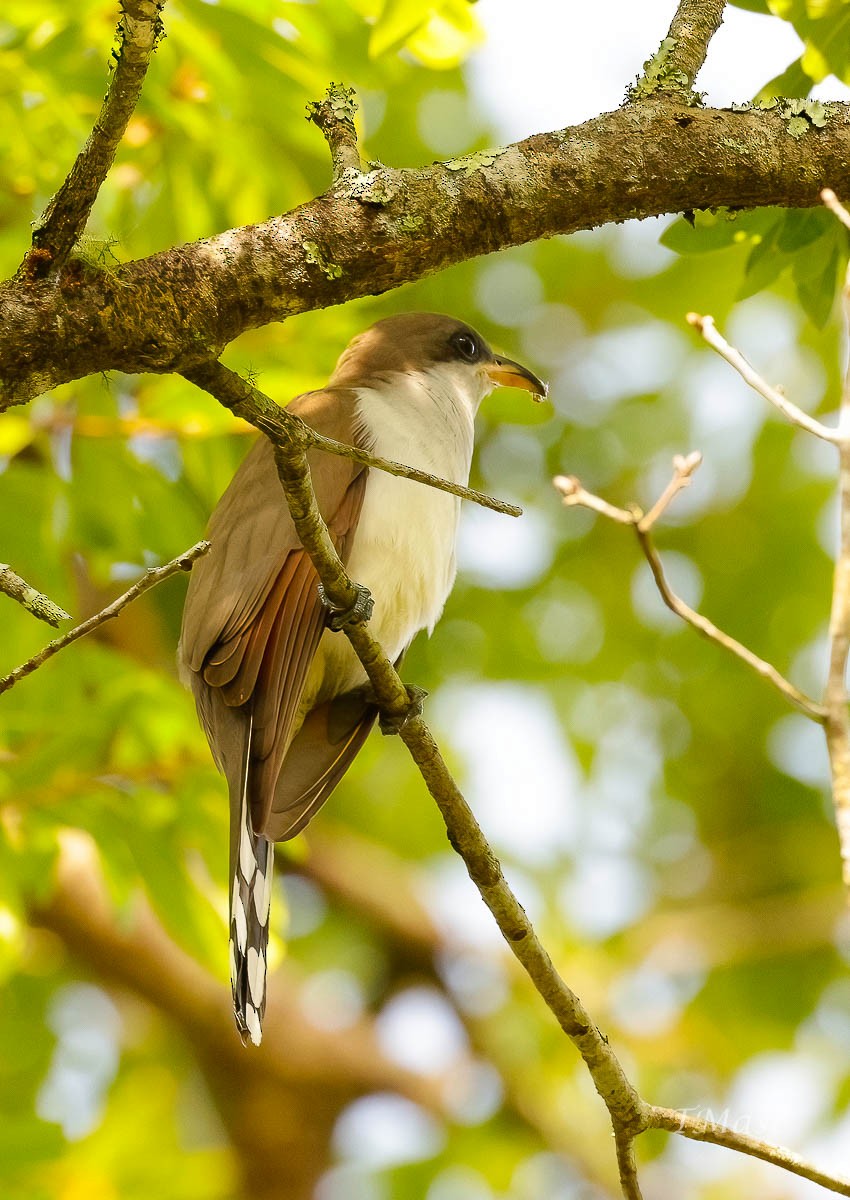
[33, 601]
[683, 471]
[252, 405]
[576, 495]
[150, 579]
[64, 219]
[701, 1130]
[334, 115]
[834, 205]
[837, 724]
[694, 24]
[706, 327]
[629, 1182]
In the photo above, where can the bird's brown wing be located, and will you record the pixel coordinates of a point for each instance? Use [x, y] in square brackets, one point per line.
[253, 619]
[318, 757]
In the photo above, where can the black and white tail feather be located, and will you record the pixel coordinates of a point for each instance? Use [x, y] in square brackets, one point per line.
[252, 863]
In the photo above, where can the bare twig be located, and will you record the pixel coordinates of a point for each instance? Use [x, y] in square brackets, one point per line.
[694, 24]
[576, 495]
[706, 327]
[36, 602]
[335, 117]
[629, 1182]
[283, 427]
[834, 205]
[64, 219]
[150, 579]
[701, 1130]
[683, 471]
[395, 468]
[835, 693]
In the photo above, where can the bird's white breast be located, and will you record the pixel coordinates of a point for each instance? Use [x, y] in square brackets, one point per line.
[404, 547]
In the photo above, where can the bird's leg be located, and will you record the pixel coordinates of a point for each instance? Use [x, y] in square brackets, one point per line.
[394, 724]
[356, 614]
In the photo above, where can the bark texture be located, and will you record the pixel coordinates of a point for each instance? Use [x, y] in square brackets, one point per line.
[370, 233]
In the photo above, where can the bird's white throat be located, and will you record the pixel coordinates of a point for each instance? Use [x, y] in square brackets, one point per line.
[404, 547]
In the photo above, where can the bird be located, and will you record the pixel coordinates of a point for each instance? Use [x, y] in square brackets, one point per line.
[283, 700]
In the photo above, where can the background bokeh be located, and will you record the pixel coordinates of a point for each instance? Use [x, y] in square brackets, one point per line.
[662, 815]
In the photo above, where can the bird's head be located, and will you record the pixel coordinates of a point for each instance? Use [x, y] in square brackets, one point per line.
[435, 346]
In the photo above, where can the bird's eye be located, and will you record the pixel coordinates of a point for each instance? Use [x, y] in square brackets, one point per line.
[466, 346]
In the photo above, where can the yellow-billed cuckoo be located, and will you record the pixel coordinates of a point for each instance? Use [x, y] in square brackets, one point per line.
[283, 699]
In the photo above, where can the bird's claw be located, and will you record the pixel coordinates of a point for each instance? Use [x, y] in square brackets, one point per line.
[394, 723]
[355, 614]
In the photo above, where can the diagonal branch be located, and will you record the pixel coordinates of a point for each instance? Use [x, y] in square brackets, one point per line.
[699, 1129]
[574, 494]
[64, 219]
[708, 331]
[837, 725]
[33, 601]
[150, 579]
[247, 402]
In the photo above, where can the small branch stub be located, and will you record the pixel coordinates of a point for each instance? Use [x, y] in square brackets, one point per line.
[335, 117]
[33, 601]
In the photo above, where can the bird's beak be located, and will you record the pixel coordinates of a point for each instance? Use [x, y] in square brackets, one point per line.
[504, 372]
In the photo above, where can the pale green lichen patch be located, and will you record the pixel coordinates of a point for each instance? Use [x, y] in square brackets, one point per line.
[341, 101]
[470, 163]
[799, 115]
[409, 223]
[313, 254]
[661, 74]
[376, 187]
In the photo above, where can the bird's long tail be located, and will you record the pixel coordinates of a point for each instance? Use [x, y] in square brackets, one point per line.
[252, 862]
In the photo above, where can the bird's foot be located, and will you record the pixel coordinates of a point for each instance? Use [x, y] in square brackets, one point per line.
[356, 614]
[390, 724]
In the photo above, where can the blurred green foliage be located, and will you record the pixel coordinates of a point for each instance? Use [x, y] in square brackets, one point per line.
[664, 817]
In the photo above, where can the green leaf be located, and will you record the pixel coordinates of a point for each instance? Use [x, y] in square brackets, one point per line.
[707, 232]
[398, 20]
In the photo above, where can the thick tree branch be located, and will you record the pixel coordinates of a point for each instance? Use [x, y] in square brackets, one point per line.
[150, 579]
[177, 308]
[33, 601]
[64, 219]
